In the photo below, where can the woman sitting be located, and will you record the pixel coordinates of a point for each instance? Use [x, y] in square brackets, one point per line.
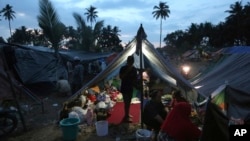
[178, 126]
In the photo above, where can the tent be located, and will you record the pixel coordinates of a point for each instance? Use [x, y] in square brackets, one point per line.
[224, 104]
[231, 68]
[39, 65]
[225, 85]
[161, 67]
[22, 67]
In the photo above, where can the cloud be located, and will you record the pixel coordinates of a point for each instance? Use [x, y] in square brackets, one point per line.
[126, 15]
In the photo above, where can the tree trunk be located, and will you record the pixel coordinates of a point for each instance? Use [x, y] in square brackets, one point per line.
[10, 28]
[160, 32]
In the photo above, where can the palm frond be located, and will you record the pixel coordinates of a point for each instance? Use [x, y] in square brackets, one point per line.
[98, 28]
[50, 22]
[79, 20]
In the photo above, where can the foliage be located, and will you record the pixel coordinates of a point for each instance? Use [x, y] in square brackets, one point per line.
[108, 39]
[50, 23]
[234, 31]
[29, 37]
[2, 40]
[85, 36]
[162, 11]
[8, 14]
[21, 36]
[91, 14]
[99, 39]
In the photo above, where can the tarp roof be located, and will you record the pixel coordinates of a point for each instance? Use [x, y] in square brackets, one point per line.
[70, 54]
[236, 50]
[160, 66]
[232, 69]
[36, 64]
[216, 123]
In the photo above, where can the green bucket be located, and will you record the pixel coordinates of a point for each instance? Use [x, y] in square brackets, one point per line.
[69, 128]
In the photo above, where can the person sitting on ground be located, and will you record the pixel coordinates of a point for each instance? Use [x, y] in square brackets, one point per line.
[63, 87]
[178, 125]
[154, 112]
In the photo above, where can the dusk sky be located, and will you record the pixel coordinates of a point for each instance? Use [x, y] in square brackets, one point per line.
[127, 15]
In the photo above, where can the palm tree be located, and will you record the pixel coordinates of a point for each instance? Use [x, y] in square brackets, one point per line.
[109, 39]
[87, 36]
[116, 31]
[162, 11]
[9, 14]
[49, 21]
[236, 14]
[21, 36]
[235, 10]
[91, 14]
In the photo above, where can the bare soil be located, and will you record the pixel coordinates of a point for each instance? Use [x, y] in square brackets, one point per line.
[43, 125]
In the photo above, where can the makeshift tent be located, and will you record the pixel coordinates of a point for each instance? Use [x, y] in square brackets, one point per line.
[232, 68]
[225, 84]
[161, 67]
[26, 65]
[38, 64]
[225, 103]
[36, 69]
[8, 87]
[84, 56]
[5, 88]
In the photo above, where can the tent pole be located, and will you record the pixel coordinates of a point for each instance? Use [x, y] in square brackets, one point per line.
[141, 86]
[140, 35]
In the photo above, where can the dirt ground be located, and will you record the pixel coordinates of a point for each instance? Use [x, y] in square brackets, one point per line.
[43, 126]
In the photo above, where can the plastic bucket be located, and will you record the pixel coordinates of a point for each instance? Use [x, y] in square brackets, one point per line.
[143, 135]
[101, 127]
[70, 128]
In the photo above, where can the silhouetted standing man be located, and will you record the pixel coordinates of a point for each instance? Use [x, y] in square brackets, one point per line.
[128, 75]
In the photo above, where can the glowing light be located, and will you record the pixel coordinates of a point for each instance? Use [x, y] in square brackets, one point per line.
[186, 69]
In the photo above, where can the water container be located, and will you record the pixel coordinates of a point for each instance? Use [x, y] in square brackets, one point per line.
[101, 128]
[69, 128]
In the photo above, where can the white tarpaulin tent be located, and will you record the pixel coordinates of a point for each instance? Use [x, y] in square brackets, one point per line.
[151, 58]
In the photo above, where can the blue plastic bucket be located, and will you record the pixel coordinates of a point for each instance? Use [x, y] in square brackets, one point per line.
[69, 128]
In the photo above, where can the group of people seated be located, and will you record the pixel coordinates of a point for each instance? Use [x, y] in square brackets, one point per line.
[170, 123]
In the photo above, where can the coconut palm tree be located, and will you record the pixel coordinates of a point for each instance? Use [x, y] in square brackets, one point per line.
[162, 11]
[235, 10]
[116, 30]
[109, 39]
[236, 15]
[87, 36]
[91, 14]
[8, 14]
[50, 23]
